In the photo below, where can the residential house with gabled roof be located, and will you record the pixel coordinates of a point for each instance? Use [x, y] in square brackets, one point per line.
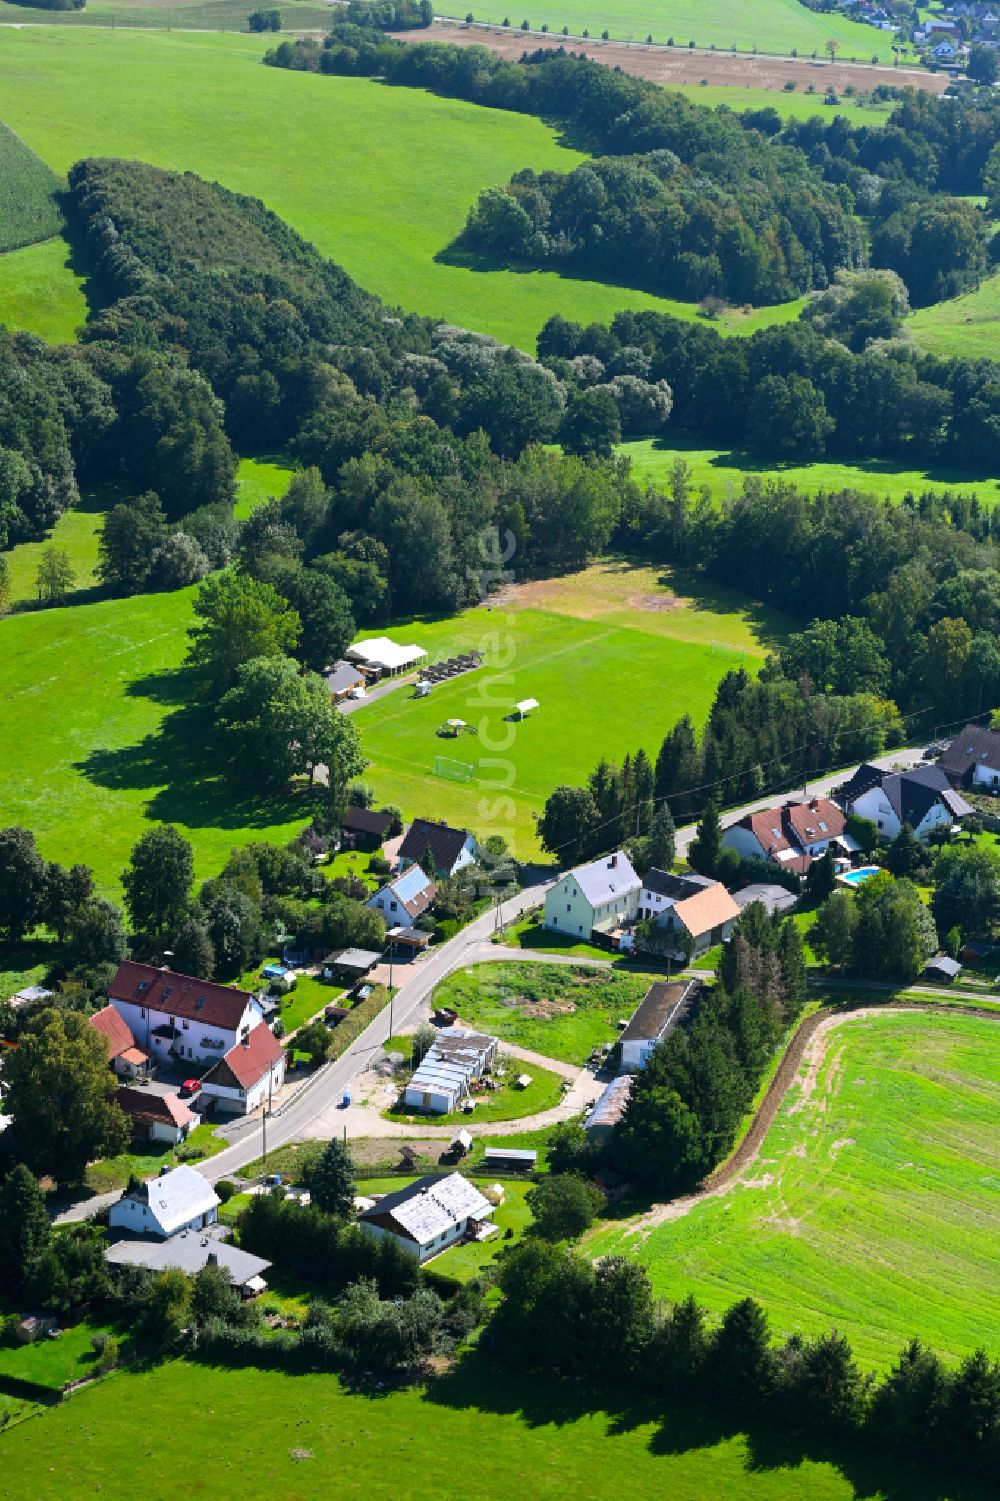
[689, 904]
[179, 1199]
[126, 1058]
[450, 849]
[660, 1010]
[973, 758]
[157, 1112]
[404, 900]
[249, 1074]
[365, 828]
[431, 1214]
[594, 898]
[179, 1018]
[922, 797]
[792, 835]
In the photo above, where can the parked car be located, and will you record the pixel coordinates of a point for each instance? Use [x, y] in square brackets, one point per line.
[190, 1087]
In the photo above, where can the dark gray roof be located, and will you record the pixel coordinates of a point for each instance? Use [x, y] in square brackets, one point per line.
[663, 883]
[445, 843]
[367, 821]
[342, 676]
[775, 898]
[974, 745]
[910, 794]
[655, 1010]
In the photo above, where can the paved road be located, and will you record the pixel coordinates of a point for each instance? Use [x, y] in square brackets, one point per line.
[822, 787]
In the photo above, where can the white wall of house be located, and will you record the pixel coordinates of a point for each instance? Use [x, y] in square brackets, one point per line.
[245, 1101]
[744, 842]
[635, 1053]
[197, 1042]
[567, 909]
[467, 855]
[393, 911]
[617, 909]
[126, 1070]
[440, 1101]
[426, 1250]
[985, 776]
[874, 804]
[653, 905]
[141, 1220]
[162, 1131]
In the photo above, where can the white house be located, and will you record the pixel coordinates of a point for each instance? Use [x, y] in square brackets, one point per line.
[248, 1075]
[128, 1060]
[189, 1252]
[430, 1215]
[404, 900]
[453, 1061]
[792, 835]
[450, 849]
[179, 1199]
[695, 906]
[923, 798]
[176, 1017]
[593, 898]
[660, 1009]
[973, 758]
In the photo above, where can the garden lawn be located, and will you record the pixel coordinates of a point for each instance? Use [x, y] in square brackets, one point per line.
[470, 1258]
[563, 1011]
[530, 934]
[872, 1207]
[304, 1437]
[964, 327]
[584, 673]
[40, 291]
[52, 1362]
[506, 1104]
[24, 964]
[724, 470]
[381, 179]
[309, 997]
[115, 1172]
[104, 745]
[776, 26]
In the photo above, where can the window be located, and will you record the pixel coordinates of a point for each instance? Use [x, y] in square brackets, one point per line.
[186, 1024]
[392, 907]
[142, 1012]
[580, 929]
[568, 907]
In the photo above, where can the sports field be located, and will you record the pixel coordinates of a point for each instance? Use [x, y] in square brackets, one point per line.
[303, 1438]
[97, 740]
[872, 1206]
[379, 179]
[584, 646]
[723, 471]
[965, 327]
[778, 26]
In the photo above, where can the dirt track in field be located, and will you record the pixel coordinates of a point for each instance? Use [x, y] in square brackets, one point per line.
[807, 1045]
[666, 65]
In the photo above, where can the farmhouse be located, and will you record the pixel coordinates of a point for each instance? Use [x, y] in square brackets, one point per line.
[179, 1199]
[189, 1252]
[450, 849]
[126, 1059]
[156, 1111]
[405, 899]
[699, 911]
[247, 1076]
[973, 758]
[661, 1008]
[179, 1018]
[385, 657]
[453, 1061]
[431, 1214]
[594, 898]
[792, 835]
[923, 798]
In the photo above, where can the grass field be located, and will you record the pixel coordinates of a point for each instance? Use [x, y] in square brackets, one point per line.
[561, 1010]
[105, 743]
[115, 1172]
[183, 15]
[256, 481]
[776, 26]
[872, 1206]
[40, 291]
[28, 208]
[610, 635]
[723, 470]
[530, 934]
[53, 1362]
[303, 1438]
[966, 327]
[790, 106]
[379, 179]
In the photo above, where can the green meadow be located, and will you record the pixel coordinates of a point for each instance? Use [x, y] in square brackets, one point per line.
[777, 26]
[99, 739]
[379, 179]
[40, 291]
[304, 1438]
[790, 106]
[182, 15]
[965, 327]
[723, 471]
[873, 1204]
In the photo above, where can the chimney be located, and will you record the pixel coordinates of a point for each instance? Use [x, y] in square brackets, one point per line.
[612, 862]
[212, 1259]
[814, 804]
[245, 1040]
[164, 1169]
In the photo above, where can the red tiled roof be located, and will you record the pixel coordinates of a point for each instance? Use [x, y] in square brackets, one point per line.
[179, 995]
[767, 829]
[168, 1110]
[247, 1062]
[115, 1029]
[806, 818]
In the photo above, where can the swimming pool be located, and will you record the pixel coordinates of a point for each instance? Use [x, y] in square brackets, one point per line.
[855, 877]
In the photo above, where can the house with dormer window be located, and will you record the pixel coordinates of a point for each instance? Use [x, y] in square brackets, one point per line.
[179, 1018]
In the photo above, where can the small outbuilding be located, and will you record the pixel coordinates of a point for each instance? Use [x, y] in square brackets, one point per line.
[516, 1159]
[942, 968]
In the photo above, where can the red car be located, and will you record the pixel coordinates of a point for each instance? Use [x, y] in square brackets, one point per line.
[190, 1087]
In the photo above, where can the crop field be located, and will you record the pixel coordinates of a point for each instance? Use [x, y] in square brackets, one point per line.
[103, 741]
[723, 470]
[561, 1010]
[28, 208]
[778, 26]
[40, 291]
[610, 635]
[379, 179]
[872, 1205]
[965, 327]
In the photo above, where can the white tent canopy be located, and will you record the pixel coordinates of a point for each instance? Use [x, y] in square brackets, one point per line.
[386, 654]
[525, 707]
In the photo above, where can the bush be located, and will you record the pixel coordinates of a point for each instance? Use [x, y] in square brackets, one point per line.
[225, 1189]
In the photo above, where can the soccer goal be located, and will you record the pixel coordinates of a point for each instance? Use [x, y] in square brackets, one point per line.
[454, 771]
